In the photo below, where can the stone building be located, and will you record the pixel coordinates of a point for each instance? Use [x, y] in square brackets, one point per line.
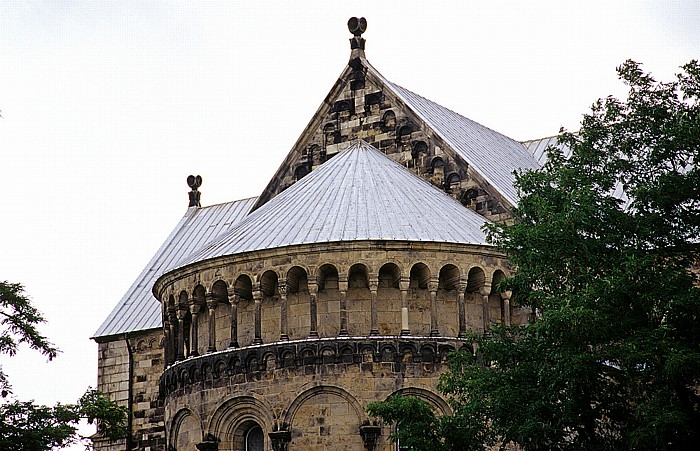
[271, 322]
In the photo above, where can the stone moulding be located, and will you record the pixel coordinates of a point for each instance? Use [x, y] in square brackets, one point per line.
[246, 364]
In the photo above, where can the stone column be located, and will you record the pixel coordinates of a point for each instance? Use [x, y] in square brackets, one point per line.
[235, 299]
[485, 291]
[194, 327]
[212, 303]
[343, 288]
[313, 307]
[374, 326]
[167, 346]
[181, 314]
[505, 297]
[172, 323]
[403, 286]
[433, 287]
[461, 288]
[282, 288]
[257, 297]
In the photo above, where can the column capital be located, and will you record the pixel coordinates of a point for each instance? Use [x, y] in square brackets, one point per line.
[373, 284]
[506, 294]
[181, 313]
[462, 285]
[433, 284]
[404, 283]
[485, 290]
[194, 307]
[212, 302]
[343, 284]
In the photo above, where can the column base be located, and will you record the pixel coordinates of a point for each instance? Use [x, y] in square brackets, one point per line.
[313, 334]
[343, 333]
[233, 344]
[373, 333]
[405, 332]
[434, 333]
[257, 341]
[211, 349]
[284, 337]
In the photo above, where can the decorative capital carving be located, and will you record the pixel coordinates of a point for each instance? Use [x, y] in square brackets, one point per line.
[210, 443]
[433, 284]
[280, 438]
[462, 286]
[181, 313]
[212, 302]
[506, 294]
[194, 307]
[485, 290]
[370, 434]
[373, 284]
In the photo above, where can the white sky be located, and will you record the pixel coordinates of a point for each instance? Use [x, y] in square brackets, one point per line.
[108, 106]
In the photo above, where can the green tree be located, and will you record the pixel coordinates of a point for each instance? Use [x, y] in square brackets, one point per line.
[31, 427]
[605, 242]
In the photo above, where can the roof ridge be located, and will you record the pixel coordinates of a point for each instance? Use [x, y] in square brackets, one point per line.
[229, 202]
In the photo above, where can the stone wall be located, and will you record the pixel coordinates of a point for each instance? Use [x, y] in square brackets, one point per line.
[319, 332]
[315, 390]
[146, 409]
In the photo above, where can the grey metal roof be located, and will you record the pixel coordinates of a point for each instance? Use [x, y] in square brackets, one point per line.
[491, 154]
[537, 148]
[359, 194]
[139, 309]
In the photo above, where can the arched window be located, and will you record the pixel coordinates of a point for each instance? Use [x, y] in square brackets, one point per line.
[254, 439]
[329, 134]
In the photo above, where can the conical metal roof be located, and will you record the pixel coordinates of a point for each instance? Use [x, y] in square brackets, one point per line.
[360, 194]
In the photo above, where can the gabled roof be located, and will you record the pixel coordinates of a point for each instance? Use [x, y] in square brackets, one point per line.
[139, 309]
[491, 154]
[359, 194]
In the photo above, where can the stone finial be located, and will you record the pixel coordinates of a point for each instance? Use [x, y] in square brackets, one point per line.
[357, 42]
[357, 26]
[194, 183]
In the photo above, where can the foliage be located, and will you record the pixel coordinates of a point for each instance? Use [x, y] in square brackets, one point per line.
[417, 425]
[18, 321]
[605, 242]
[31, 427]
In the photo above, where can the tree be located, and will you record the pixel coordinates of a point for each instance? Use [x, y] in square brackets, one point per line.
[25, 425]
[605, 247]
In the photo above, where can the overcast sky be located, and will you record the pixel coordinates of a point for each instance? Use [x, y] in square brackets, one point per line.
[108, 106]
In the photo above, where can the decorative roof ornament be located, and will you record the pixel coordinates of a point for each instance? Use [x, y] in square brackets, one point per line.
[194, 183]
[357, 52]
[357, 42]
